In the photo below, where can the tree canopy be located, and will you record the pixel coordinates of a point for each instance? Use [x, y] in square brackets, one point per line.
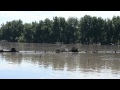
[85, 30]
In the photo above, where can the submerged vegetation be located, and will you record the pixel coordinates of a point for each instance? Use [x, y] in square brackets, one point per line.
[86, 30]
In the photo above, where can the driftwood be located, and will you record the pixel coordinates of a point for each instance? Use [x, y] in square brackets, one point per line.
[74, 49]
[58, 50]
[12, 50]
[62, 49]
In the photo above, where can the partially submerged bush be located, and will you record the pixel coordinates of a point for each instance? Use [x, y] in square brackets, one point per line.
[74, 49]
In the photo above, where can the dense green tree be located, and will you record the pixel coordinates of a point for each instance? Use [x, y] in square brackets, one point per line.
[56, 30]
[11, 31]
[6, 32]
[63, 29]
[72, 31]
[85, 29]
[47, 30]
[116, 29]
[28, 33]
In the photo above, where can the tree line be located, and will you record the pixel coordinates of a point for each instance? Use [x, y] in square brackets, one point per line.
[86, 30]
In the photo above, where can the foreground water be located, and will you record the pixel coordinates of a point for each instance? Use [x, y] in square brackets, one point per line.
[39, 61]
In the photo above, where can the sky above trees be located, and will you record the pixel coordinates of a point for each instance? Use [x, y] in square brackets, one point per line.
[31, 16]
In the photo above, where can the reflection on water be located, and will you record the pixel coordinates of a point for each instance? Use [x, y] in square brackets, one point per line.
[68, 61]
[59, 65]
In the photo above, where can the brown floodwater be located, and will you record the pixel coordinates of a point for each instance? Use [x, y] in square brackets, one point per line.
[39, 61]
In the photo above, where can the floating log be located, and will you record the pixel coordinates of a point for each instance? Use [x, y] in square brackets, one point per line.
[12, 50]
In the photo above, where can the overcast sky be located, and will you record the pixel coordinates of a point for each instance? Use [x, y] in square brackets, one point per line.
[29, 16]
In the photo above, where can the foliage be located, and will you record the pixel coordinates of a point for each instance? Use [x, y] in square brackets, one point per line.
[86, 30]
